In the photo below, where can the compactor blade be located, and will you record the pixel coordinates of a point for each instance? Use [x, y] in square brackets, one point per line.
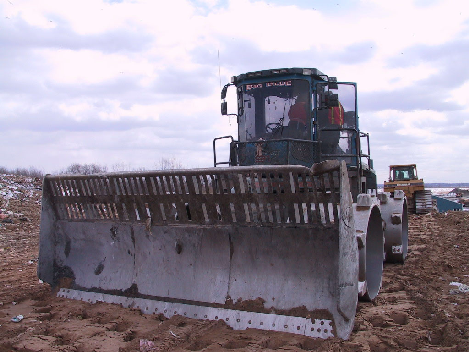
[260, 247]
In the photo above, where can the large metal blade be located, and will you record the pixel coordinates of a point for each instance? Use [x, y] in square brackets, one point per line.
[270, 240]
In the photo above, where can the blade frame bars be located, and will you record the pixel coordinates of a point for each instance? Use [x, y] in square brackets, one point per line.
[267, 195]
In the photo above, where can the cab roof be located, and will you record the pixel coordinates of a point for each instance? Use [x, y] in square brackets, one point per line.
[403, 165]
[313, 72]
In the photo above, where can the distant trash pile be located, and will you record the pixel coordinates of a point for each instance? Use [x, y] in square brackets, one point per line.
[13, 187]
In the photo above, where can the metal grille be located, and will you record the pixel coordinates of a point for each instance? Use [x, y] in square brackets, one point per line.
[303, 151]
[278, 152]
[268, 195]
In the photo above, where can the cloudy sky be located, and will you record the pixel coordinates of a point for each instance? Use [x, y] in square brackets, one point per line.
[132, 81]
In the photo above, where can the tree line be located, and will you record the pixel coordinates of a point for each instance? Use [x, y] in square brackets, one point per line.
[89, 169]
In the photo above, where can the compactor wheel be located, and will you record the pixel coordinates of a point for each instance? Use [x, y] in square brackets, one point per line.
[370, 239]
[394, 213]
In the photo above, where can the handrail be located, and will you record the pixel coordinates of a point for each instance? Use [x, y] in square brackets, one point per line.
[215, 153]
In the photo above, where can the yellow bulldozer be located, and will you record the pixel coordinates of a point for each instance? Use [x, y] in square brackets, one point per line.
[285, 235]
[405, 178]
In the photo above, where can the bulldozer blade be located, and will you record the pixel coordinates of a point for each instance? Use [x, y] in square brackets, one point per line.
[263, 247]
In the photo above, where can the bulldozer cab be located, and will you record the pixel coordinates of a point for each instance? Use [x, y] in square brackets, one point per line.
[402, 172]
[298, 117]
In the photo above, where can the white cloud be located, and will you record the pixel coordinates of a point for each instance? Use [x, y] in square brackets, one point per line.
[271, 28]
[114, 112]
[374, 75]
[92, 67]
[413, 123]
[401, 23]
[460, 95]
[75, 110]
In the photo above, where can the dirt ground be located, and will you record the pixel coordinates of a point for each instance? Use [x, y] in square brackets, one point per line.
[417, 309]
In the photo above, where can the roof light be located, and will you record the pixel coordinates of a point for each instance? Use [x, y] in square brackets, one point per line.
[307, 72]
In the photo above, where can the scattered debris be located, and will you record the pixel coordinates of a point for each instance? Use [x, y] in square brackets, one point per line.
[147, 345]
[17, 319]
[13, 187]
[461, 288]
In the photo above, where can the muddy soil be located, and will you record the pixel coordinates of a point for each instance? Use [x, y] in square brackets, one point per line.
[418, 309]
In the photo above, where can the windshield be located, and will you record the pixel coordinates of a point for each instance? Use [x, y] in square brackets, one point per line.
[404, 173]
[276, 110]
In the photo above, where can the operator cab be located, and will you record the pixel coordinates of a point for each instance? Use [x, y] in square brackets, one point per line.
[294, 116]
[297, 116]
[403, 172]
